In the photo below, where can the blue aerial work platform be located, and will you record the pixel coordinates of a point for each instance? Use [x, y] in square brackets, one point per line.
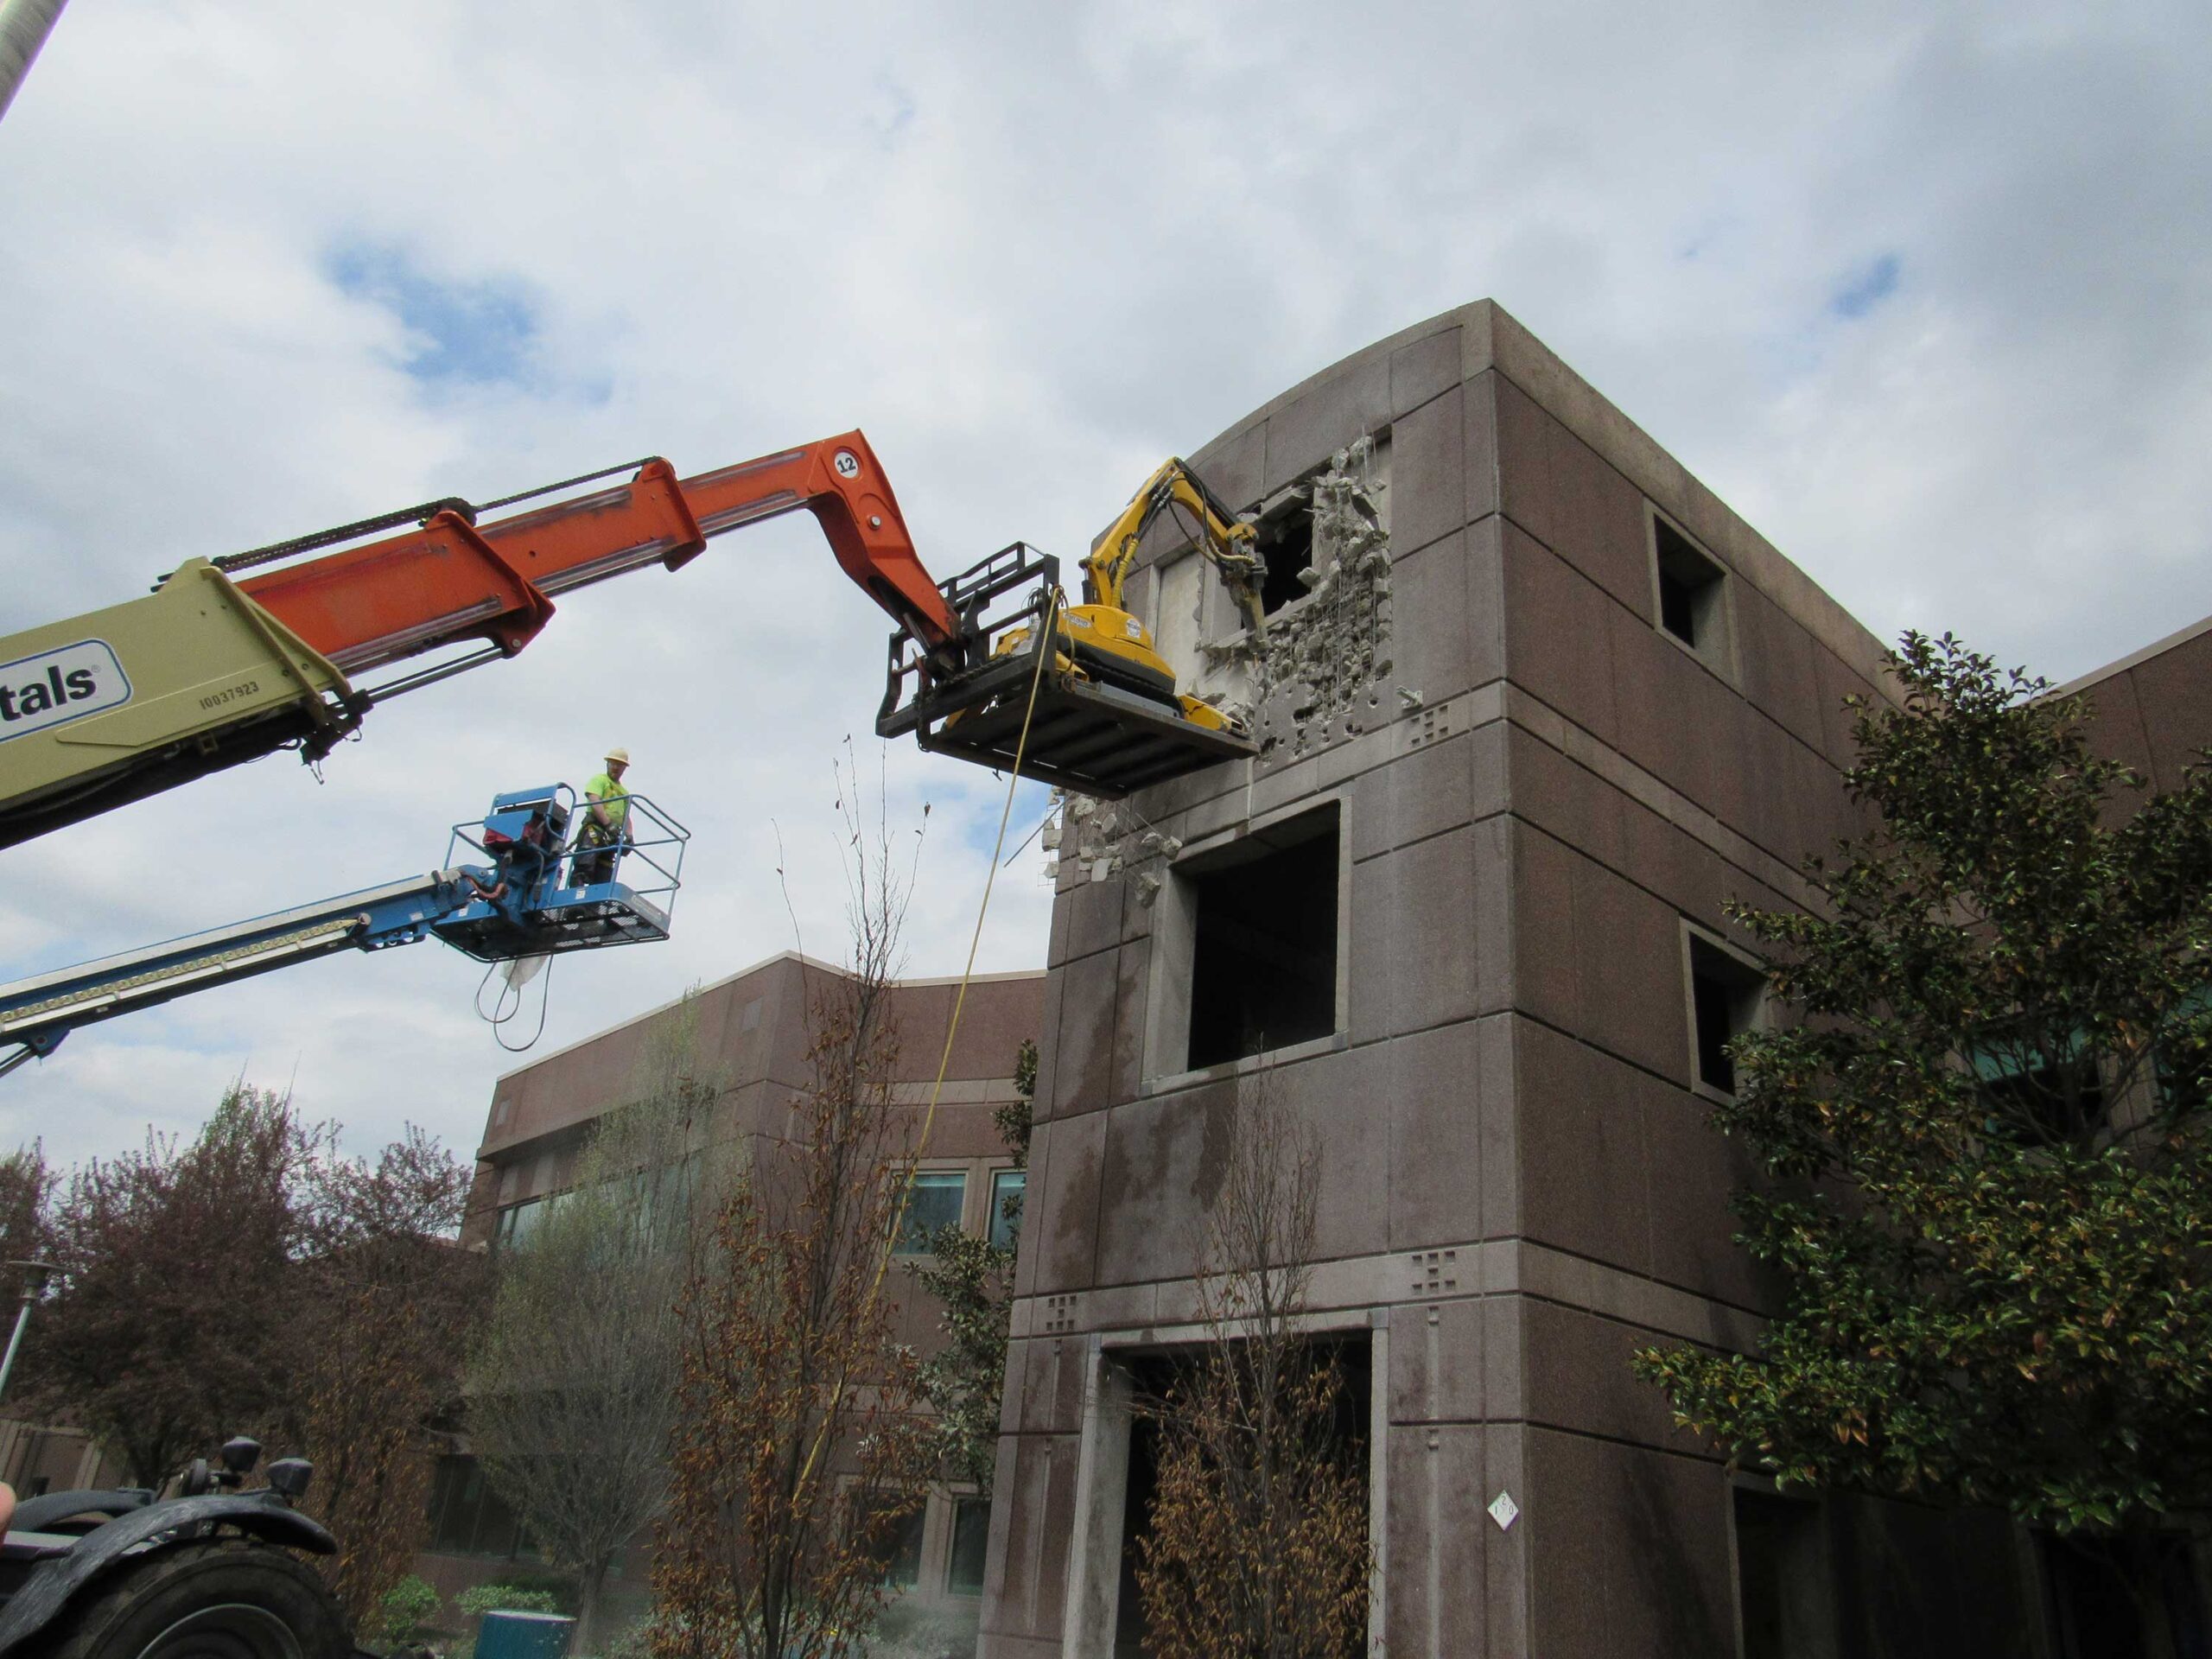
[533, 894]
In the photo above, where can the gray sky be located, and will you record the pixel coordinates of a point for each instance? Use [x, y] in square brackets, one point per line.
[1922, 291]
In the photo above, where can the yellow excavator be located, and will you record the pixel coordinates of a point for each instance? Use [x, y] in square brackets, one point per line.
[1103, 715]
[1101, 635]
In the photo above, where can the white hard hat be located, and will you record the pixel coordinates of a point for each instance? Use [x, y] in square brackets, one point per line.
[623, 755]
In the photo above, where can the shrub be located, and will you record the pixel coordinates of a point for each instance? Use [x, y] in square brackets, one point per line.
[508, 1597]
[405, 1610]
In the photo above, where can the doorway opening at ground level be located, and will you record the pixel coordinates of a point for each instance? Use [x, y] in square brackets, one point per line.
[1154, 1379]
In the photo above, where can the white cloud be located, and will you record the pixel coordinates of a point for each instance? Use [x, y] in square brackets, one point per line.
[1031, 250]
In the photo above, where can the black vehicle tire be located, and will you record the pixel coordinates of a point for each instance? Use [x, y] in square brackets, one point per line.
[211, 1599]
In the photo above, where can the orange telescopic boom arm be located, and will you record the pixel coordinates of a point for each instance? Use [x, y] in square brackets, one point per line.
[229, 659]
[452, 580]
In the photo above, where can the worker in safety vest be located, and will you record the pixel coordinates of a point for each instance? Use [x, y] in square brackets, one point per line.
[606, 818]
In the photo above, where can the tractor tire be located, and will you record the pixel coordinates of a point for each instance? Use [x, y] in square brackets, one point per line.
[211, 1599]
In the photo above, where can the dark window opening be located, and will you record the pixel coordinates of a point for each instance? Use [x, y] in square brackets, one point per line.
[2056, 1102]
[1690, 590]
[1724, 1002]
[1285, 542]
[890, 1535]
[2183, 1061]
[2184, 1082]
[1783, 1579]
[1263, 962]
[2123, 1597]
[468, 1518]
[971, 1538]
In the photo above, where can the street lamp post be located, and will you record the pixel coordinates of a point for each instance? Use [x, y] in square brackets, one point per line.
[34, 1275]
[24, 25]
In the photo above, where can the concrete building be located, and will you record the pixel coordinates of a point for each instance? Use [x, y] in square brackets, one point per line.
[1538, 705]
[1533, 704]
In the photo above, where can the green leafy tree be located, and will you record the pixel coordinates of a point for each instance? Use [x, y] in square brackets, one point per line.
[973, 1277]
[1988, 1186]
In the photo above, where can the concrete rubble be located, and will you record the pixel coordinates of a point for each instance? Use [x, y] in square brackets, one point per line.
[1317, 676]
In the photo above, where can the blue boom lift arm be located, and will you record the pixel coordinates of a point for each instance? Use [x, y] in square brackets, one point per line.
[546, 898]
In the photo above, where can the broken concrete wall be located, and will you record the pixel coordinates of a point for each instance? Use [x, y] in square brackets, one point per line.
[1533, 787]
[1320, 671]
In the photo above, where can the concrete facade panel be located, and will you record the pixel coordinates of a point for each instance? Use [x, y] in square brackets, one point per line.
[1780, 672]
[1414, 920]
[1628, 1551]
[1565, 799]
[1094, 916]
[1432, 790]
[1026, 1607]
[1062, 1206]
[1082, 1064]
[1447, 626]
[1437, 1603]
[1133, 979]
[1427, 497]
[1235, 468]
[1838, 681]
[1696, 1169]
[1433, 620]
[1423, 369]
[1586, 1182]
[1437, 1360]
[1342, 1098]
[1597, 518]
[2174, 690]
[1524, 467]
[1668, 704]
[1048, 1044]
[1579, 1378]
[1160, 1162]
[1478, 422]
[1544, 983]
[1556, 623]
[1351, 404]
[1628, 946]
[2115, 729]
[1437, 1095]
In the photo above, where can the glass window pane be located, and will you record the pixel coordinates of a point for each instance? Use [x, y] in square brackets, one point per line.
[935, 1200]
[517, 1222]
[1007, 1186]
[971, 1536]
[496, 1535]
[455, 1499]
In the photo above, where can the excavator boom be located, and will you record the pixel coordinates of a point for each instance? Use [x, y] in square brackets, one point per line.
[1218, 534]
